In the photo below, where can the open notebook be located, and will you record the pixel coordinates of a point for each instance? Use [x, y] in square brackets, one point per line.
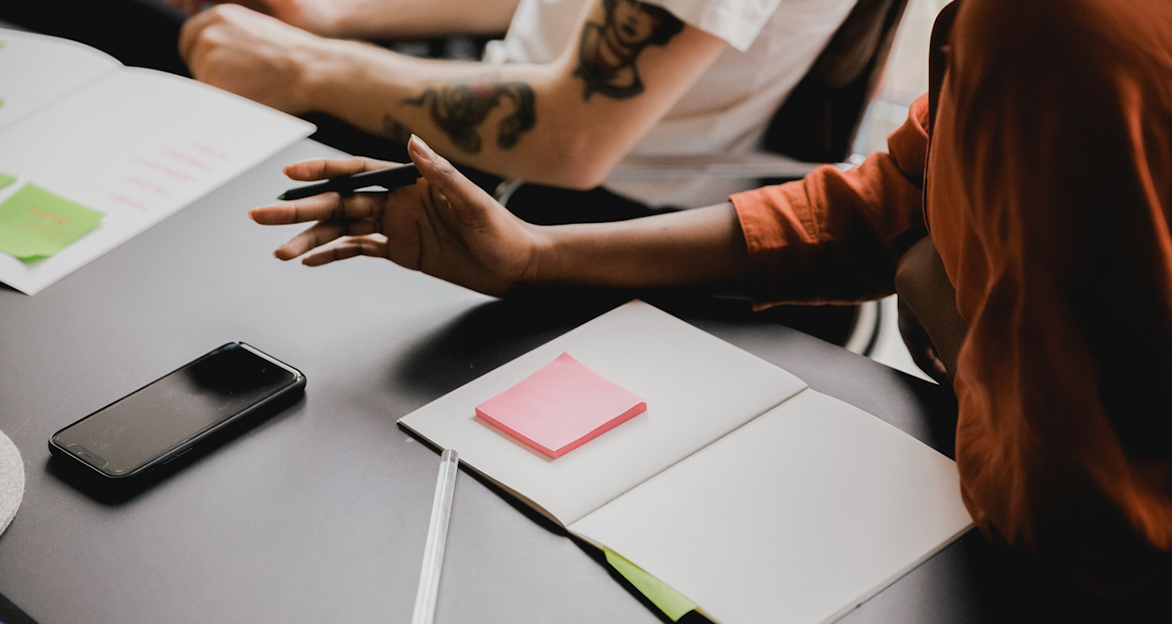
[128, 145]
[742, 489]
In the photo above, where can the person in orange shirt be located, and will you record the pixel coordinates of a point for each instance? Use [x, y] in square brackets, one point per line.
[1022, 214]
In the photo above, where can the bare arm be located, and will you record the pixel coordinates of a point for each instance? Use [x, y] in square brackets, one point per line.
[703, 246]
[449, 228]
[564, 123]
[382, 19]
[417, 19]
[932, 328]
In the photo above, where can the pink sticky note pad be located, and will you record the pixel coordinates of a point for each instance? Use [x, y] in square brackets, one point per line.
[561, 407]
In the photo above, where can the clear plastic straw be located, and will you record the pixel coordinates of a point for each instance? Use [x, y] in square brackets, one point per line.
[437, 536]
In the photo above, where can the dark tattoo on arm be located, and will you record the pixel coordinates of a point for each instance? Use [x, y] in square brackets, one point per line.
[607, 52]
[395, 130]
[459, 108]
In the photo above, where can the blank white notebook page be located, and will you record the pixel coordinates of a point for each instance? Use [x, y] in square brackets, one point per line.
[798, 516]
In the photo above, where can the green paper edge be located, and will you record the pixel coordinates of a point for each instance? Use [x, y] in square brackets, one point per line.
[673, 604]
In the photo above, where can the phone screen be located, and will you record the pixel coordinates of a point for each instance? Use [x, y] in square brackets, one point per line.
[170, 412]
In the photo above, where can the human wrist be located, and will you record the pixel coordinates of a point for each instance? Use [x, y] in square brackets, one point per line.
[584, 254]
[323, 70]
[547, 248]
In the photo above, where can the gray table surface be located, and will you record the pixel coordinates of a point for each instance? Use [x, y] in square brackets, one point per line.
[319, 513]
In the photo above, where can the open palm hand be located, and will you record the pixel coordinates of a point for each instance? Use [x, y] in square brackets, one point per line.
[443, 225]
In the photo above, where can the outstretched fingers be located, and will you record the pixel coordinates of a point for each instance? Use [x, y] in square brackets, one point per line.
[371, 245]
[325, 232]
[319, 208]
[325, 168]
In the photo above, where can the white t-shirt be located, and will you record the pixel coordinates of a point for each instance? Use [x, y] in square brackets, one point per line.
[772, 44]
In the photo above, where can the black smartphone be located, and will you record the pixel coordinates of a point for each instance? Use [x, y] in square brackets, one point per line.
[178, 412]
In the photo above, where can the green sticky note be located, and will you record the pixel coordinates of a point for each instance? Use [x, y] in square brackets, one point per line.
[36, 224]
[673, 604]
[5, 179]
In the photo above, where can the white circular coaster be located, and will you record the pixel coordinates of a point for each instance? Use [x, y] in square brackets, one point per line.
[11, 481]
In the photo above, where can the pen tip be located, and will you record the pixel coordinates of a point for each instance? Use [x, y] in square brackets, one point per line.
[281, 197]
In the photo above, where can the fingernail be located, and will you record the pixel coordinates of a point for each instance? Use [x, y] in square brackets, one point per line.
[427, 151]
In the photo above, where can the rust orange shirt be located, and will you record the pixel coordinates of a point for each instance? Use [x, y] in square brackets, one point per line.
[1041, 164]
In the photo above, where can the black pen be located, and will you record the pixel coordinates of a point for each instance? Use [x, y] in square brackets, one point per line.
[389, 178]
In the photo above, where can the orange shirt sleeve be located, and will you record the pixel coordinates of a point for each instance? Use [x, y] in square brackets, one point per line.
[835, 236]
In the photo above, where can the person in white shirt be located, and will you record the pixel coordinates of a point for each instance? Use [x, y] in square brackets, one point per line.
[574, 87]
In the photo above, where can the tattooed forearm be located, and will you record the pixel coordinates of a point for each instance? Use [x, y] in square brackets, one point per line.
[458, 109]
[607, 52]
[524, 115]
[395, 130]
